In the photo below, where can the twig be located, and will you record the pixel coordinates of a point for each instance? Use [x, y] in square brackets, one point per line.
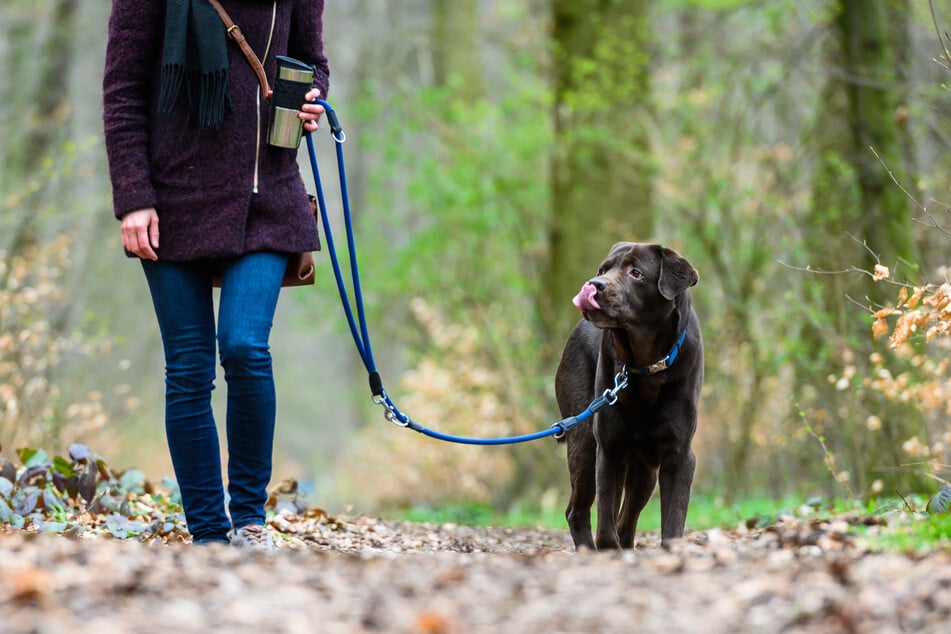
[904, 469]
[852, 269]
[808, 269]
[934, 20]
[934, 221]
[864, 244]
[907, 505]
[891, 175]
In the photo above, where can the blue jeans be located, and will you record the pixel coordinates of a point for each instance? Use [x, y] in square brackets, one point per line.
[182, 296]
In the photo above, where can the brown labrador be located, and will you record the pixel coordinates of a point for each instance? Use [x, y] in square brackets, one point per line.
[638, 320]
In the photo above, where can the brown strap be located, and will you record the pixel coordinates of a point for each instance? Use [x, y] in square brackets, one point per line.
[234, 32]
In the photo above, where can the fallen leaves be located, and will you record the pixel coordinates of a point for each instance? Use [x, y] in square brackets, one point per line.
[30, 584]
[806, 570]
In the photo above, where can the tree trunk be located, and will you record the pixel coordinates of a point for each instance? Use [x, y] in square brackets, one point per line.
[600, 171]
[455, 46]
[857, 213]
[42, 117]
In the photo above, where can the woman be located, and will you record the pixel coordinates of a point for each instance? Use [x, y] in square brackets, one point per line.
[199, 191]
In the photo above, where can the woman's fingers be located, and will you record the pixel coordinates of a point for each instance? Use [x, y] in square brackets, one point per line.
[140, 233]
[310, 112]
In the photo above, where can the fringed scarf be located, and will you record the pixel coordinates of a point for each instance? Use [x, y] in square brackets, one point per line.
[195, 54]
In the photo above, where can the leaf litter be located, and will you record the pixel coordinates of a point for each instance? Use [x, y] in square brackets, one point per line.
[84, 548]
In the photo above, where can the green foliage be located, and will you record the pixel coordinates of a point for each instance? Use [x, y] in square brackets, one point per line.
[914, 532]
[458, 213]
[884, 523]
[79, 493]
[709, 5]
[474, 175]
[930, 533]
[706, 512]
[731, 173]
[455, 223]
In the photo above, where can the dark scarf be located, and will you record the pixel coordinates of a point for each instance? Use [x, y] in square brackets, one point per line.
[195, 54]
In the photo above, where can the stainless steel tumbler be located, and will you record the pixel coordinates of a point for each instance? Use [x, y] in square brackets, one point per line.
[294, 79]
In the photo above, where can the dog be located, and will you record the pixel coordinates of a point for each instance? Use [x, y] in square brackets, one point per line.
[637, 323]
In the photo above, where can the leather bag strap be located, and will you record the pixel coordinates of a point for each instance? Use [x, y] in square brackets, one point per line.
[234, 32]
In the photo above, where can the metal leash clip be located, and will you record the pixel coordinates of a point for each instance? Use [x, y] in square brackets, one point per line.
[608, 397]
[620, 382]
[390, 412]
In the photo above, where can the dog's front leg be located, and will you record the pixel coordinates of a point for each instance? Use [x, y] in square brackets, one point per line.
[638, 488]
[609, 481]
[676, 478]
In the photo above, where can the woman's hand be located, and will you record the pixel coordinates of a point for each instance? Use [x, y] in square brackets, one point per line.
[310, 112]
[140, 232]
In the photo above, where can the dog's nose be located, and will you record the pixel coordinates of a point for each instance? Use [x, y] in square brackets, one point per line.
[598, 283]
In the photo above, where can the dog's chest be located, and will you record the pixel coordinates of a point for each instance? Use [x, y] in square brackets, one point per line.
[640, 411]
[642, 393]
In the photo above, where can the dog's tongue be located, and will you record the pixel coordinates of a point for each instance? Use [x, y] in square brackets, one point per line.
[584, 300]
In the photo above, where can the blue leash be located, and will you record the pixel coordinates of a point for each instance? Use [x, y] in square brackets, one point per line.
[361, 336]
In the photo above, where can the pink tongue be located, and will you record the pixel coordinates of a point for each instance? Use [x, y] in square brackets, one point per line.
[584, 300]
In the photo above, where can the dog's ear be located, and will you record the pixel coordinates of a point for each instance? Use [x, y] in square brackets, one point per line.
[676, 273]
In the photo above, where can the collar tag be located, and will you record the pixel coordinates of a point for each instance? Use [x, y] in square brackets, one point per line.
[664, 363]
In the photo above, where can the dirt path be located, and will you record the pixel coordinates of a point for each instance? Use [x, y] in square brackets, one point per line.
[366, 575]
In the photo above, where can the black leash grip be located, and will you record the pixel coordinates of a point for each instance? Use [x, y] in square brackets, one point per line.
[376, 384]
[599, 403]
[335, 126]
[568, 423]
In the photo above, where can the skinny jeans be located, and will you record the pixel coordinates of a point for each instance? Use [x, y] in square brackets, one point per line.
[184, 305]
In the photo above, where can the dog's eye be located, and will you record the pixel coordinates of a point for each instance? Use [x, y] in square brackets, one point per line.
[636, 274]
[600, 271]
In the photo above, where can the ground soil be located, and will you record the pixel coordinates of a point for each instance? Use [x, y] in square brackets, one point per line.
[361, 574]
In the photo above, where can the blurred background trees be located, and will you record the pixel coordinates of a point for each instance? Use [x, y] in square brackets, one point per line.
[497, 149]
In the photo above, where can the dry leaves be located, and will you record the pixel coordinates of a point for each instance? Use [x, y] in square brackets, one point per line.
[360, 574]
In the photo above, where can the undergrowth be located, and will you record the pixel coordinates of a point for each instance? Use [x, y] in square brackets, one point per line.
[887, 523]
[706, 511]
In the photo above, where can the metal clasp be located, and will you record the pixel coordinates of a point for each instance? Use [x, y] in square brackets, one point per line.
[620, 382]
[390, 411]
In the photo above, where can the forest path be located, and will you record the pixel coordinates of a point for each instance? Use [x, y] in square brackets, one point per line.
[368, 575]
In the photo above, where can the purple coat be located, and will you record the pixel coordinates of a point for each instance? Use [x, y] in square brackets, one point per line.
[221, 192]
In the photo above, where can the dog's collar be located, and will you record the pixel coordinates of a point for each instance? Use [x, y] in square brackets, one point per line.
[661, 365]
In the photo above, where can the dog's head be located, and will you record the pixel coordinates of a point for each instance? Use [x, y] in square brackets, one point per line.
[636, 284]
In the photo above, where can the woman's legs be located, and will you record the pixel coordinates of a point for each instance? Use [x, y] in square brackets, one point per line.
[181, 294]
[250, 288]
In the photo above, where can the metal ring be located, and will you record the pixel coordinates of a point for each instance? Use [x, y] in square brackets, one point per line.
[340, 139]
[390, 415]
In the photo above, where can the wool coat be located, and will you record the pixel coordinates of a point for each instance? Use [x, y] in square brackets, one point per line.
[221, 192]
